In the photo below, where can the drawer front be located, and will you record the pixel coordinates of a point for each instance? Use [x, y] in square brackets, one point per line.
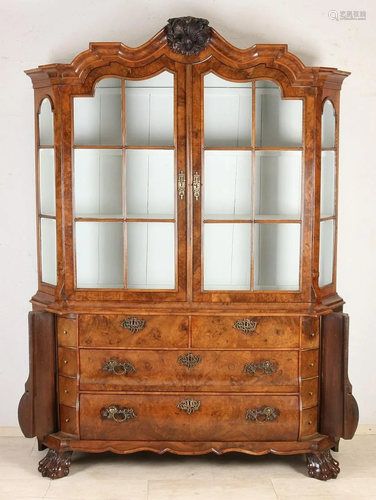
[129, 370]
[310, 363]
[67, 361]
[130, 331]
[309, 421]
[67, 391]
[310, 333]
[227, 332]
[189, 417]
[310, 392]
[68, 419]
[67, 332]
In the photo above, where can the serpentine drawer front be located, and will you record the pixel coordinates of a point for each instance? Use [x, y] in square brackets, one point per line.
[256, 371]
[133, 331]
[245, 332]
[189, 416]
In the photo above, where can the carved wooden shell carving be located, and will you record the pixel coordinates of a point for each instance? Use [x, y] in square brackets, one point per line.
[188, 35]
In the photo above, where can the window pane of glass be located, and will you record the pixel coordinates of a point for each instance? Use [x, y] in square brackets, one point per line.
[279, 123]
[151, 255]
[227, 256]
[227, 184]
[327, 183]
[100, 254]
[150, 183]
[47, 181]
[150, 111]
[328, 126]
[48, 250]
[278, 184]
[227, 112]
[327, 229]
[98, 183]
[46, 124]
[98, 119]
[277, 256]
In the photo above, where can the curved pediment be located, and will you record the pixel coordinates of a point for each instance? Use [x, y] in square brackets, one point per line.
[187, 40]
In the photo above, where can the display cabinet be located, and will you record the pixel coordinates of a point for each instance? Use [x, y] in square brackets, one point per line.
[187, 235]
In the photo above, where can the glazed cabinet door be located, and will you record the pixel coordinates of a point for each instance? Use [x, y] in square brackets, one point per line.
[129, 186]
[248, 163]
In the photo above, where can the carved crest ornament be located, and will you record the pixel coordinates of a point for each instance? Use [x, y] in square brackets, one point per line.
[187, 35]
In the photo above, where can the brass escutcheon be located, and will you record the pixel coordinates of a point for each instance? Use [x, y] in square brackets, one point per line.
[134, 324]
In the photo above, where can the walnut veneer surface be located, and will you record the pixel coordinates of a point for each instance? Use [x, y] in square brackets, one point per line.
[187, 378]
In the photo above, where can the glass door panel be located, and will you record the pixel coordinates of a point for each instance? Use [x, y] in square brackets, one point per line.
[279, 122]
[98, 175]
[151, 255]
[98, 119]
[47, 182]
[132, 178]
[46, 124]
[278, 185]
[328, 126]
[227, 256]
[227, 113]
[150, 184]
[327, 229]
[150, 111]
[227, 184]
[100, 254]
[328, 179]
[328, 195]
[48, 250]
[47, 194]
[277, 256]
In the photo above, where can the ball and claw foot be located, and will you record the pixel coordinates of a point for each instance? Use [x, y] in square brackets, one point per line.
[322, 465]
[55, 464]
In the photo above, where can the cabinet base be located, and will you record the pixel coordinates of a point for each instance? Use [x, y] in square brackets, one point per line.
[320, 463]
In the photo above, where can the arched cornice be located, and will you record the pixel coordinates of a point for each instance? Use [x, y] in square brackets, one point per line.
[101, 54]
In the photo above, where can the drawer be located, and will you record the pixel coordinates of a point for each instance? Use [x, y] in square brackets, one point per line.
[67, 391]
[310, 363]
[310, 333]
[309, 421]
[67, 361]
[226, 332]
[67, 332]
[130, 370]
[310, 392]
[68, 419]
[189, 417]
[129, 331]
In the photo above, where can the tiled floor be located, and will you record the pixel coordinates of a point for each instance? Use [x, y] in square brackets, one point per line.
[146, 476]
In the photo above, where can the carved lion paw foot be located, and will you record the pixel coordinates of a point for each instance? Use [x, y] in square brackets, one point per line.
[322, 465]
[55, 464]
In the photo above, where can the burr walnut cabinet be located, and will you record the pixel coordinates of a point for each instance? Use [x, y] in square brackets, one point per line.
[187, 229]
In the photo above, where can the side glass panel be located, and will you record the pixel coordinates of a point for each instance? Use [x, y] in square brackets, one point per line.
[124, 194]
[47, 193]
[252, 185]
[328, 195]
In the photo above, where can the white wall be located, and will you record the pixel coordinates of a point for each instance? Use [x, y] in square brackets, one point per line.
[47, 31]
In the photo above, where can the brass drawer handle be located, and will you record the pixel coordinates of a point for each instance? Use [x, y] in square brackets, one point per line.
[259, 369]
[245, 325]
[134, 324]
[114, 412]
[189, 360]
[262, 415]
[117, 368]
[189, 405]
